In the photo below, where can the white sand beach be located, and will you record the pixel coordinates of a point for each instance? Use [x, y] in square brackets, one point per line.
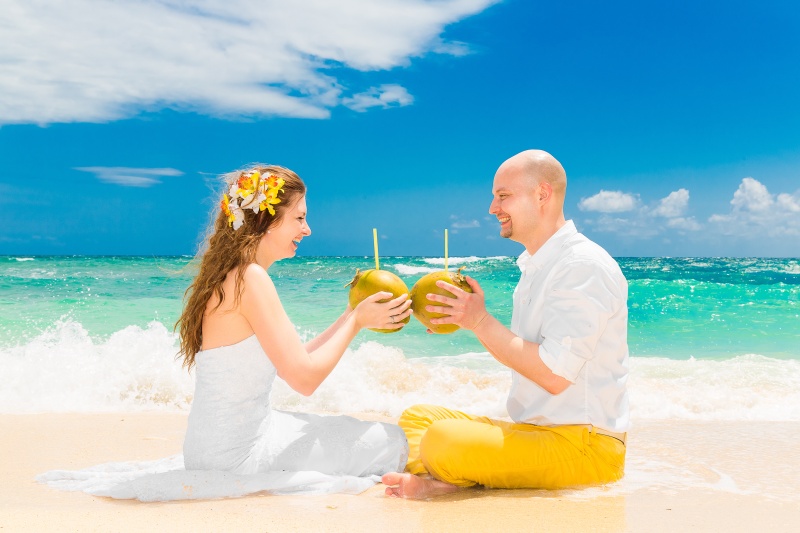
[739, 477]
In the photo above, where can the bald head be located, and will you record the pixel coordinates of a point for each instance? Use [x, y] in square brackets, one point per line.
[528, 198]
[539, 166]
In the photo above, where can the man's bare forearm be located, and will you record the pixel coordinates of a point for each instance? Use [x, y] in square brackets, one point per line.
[517, 354]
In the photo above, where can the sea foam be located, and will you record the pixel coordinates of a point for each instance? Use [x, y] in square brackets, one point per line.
[461, 260]
[438, 264]
[64, 369]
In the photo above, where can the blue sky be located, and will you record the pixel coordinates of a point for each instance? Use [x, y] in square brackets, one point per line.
[678, 123]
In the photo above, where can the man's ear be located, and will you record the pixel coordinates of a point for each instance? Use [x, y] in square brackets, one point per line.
[545, 192]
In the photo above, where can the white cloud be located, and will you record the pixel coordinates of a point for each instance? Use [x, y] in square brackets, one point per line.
[756, 215]
[634, 226]
[465, 224]
[755, 212]
[673, 205]
[788, 203]
[752, 195]
[457, 224]
[609, 202]
[92, 61]
[672, 208]
[384, 96]
[131, 177]
[684, 223]
[640, 222]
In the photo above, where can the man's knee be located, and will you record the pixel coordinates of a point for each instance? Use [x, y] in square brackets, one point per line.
[417, 416]
[449, 436]
[446, 449]
[444, 441]
[417, 410]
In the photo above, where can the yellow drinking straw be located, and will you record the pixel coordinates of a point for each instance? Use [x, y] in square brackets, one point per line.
[445, 249]
[375, 239]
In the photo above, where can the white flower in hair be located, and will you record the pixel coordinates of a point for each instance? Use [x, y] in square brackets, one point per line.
[254, 202]
[250, 191]
[238, 218]
[230, 206]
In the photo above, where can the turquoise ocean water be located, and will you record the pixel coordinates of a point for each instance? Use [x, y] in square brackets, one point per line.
[710, 339]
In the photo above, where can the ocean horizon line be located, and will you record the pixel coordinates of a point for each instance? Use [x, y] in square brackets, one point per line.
[345, 256]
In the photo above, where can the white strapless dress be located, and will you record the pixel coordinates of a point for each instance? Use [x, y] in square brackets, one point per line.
[236, 444]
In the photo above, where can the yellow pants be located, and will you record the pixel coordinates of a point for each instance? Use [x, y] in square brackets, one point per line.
[466, 450]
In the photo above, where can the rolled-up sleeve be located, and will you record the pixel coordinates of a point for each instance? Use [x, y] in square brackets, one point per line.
[583, 297]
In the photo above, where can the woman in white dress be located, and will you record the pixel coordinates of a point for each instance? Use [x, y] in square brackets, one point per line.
[233, 311]
[236, 335]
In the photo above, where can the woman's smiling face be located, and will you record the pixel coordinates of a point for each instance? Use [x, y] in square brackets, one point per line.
[282, 240]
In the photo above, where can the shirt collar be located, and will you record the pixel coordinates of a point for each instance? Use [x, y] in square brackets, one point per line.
[548, 249]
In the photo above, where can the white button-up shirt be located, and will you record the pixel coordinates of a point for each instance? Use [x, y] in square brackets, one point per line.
[571, 299]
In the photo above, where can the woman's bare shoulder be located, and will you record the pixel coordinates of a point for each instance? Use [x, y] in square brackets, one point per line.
[255, 273]
[257, 281]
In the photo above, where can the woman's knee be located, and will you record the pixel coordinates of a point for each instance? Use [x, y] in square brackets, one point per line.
[396, 435]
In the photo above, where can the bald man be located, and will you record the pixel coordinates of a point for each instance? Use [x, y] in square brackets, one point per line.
[567, 351]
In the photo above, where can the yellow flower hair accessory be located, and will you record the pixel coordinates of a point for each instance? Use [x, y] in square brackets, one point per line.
[251, 191]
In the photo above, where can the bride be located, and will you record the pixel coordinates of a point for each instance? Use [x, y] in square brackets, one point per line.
[236, 335]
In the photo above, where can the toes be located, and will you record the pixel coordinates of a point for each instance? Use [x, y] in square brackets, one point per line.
[392, 478]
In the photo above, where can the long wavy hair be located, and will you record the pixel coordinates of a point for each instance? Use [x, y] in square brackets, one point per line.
[224, 250]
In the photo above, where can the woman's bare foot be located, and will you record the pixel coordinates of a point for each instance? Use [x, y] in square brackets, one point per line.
[417, 488]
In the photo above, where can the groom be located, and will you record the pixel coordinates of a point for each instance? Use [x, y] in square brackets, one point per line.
[567, 350]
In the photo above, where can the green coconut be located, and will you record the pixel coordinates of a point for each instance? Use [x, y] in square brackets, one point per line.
[427, 285]
[369, 282]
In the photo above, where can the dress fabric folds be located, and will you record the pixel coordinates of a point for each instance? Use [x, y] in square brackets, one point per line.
[236, 444]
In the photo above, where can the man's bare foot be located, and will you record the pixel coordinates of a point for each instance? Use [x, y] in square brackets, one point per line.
[417, 488]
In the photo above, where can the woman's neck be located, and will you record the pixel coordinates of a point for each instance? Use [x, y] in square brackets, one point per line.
[263, 259]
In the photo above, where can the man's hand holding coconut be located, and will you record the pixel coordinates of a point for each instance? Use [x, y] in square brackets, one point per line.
[462, 304]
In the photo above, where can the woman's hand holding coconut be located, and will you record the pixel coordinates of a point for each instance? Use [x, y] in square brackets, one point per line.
[373, 313]
[464, 309]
